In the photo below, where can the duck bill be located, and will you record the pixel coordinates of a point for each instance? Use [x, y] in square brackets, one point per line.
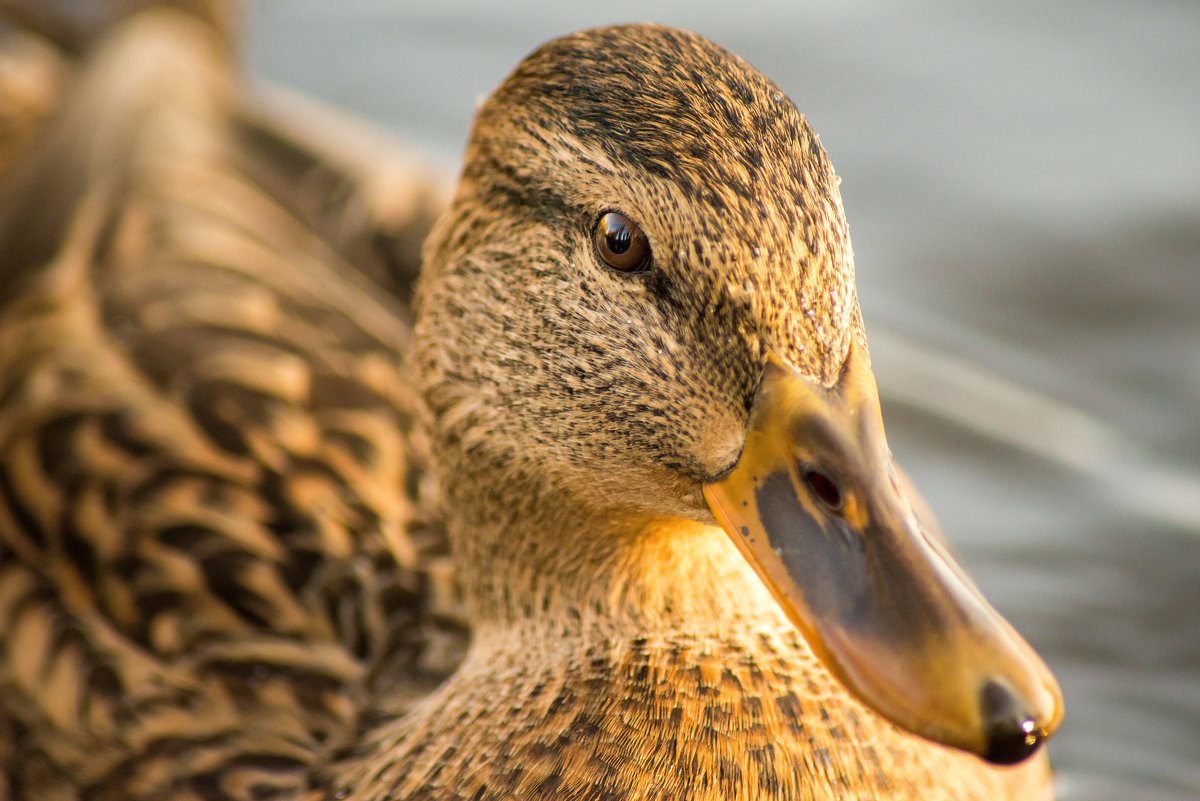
[817, 507]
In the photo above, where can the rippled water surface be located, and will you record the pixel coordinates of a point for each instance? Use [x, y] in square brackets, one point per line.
[1023, 185]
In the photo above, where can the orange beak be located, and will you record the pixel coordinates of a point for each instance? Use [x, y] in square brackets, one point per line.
[816, 505]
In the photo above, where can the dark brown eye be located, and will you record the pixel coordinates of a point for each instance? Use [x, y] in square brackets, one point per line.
[621, 244]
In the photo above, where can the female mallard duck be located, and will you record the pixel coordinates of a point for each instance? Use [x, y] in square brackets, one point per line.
[222, 568]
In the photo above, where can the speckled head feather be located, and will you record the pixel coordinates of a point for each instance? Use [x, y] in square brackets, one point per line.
[750, 251]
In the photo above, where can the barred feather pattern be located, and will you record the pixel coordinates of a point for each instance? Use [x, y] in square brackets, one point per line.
[216, 543]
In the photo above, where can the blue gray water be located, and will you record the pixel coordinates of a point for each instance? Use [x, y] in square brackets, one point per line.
[1023, 185]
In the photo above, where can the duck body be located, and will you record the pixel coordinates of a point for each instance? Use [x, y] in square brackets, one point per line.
[251, 501]
[204, 439]
[724, 708]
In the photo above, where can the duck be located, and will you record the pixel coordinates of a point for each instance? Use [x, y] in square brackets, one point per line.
[598, 505]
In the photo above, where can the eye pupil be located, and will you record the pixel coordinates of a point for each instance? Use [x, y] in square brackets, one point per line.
[824, 488]
[621, 244]
[618, 239]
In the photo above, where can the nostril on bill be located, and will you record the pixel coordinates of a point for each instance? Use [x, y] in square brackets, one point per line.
[1012, 733]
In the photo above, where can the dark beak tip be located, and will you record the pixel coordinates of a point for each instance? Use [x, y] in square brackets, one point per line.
[1013, 741]
[1013, 735]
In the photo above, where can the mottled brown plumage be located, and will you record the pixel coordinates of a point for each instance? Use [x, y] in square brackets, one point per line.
[226, 463]
[215, 539]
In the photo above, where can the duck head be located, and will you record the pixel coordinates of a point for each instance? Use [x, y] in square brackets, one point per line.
[643, 296]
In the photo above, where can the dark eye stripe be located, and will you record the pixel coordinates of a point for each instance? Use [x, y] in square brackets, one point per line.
[621, 244]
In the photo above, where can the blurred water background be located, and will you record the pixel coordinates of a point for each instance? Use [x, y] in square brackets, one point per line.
[1023, 186]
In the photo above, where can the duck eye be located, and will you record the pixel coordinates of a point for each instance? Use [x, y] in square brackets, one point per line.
[621, 244]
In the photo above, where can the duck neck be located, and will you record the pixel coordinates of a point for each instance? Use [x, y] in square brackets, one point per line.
[534, 558]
